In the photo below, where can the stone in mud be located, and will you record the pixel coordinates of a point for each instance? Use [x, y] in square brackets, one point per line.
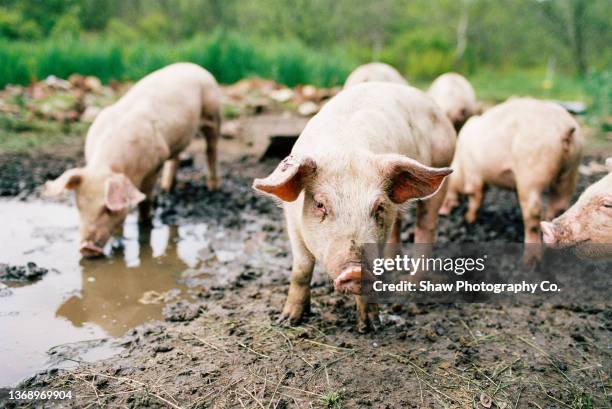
[28, 273]
[181, 311]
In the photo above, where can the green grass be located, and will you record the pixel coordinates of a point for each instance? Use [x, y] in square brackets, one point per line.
[498, 85]
[332, 399]
[228, 56]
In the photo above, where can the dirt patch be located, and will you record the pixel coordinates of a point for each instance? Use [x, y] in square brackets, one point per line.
[233, 354]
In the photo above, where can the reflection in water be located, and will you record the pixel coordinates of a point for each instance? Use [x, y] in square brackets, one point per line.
[79, 301]
[113, 289]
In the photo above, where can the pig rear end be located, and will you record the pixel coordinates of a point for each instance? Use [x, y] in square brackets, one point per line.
[524, 144]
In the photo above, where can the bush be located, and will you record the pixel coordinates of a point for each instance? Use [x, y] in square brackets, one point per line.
[14, 26]
[67, 27]
[420, 55]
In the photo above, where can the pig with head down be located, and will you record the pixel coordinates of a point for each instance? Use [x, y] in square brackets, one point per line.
[587, 222]
[371, 149]
[523, 144]
[131, 140]
[374, 71]
[455, 95]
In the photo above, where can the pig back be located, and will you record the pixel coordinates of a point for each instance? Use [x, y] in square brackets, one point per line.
[381, 118]
[522, 135]
[374, 71]
[171, 101]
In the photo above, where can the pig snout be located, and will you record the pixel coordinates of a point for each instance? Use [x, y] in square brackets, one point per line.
[350, 278]
[89, 249]
[549, 232]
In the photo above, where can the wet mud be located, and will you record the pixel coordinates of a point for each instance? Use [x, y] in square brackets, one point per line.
[217, 344]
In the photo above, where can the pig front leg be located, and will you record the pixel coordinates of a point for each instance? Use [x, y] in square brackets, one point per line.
[298, 299]
[211, 133]
[367, 315]
[169, 174]
[427, 216]
[144, 207]
[396, 231]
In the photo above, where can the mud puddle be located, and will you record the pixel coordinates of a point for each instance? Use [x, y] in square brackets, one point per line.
[57, 321]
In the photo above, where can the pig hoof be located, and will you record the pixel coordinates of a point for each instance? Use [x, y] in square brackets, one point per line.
[212, 184]
[470, 218]
[444, 211]
[368, 325]
[367, 318]
[531, 260]
[293, 314]
[286, 320]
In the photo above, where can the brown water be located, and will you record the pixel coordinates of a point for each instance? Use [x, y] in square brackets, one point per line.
[81, 301]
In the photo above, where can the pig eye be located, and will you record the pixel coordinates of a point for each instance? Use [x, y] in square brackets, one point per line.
[321, 210]
[607, 204]
[379, 212]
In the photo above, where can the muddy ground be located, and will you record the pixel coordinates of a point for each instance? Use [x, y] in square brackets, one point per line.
[225, 350]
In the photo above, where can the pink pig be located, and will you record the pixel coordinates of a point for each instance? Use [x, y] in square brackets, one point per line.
[370, 150]
[523, 144]
[588, 221]
[130, 141]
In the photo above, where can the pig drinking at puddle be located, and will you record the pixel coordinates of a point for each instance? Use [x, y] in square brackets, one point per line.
[371, 149]
[522, 144]
[131, 140]
[587, 225]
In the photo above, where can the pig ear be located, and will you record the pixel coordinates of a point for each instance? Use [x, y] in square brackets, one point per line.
[120, 193]
[287, 180]
[69, 180]
[408, 179]
[609, 164]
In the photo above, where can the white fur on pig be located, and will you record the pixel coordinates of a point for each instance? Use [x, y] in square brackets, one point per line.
[456, 96]
[374, 71]
[129, 142]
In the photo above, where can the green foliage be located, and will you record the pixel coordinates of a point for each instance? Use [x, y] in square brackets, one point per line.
[13, 25]
[121, 31]
[67, 27]
[420, 55]
[155, 26]
[228, 56]
[88, 57]
[599, 87]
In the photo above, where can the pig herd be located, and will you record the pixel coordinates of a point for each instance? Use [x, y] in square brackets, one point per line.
[373, 148]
